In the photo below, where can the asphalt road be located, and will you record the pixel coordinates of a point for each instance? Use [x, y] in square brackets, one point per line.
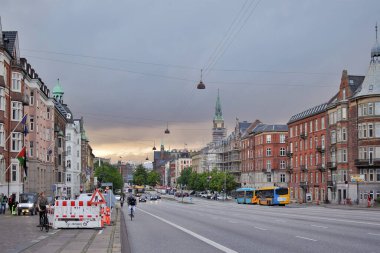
[211, 226]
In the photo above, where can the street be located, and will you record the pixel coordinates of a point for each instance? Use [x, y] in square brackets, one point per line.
[211, 226]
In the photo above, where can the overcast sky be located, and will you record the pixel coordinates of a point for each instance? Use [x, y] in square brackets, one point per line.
[131, 67]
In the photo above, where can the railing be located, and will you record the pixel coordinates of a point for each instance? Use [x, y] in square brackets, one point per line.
[321, 167]
[289, 153]
[303, 135]
[321, 149]
[367, 162]
[331, 165]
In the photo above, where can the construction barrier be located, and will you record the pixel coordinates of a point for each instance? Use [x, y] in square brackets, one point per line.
[75, 214]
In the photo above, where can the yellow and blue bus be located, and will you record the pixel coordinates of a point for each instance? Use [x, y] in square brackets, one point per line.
[246, 196]
[273, 196]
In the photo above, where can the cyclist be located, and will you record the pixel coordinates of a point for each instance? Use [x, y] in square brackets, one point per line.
[41, 204]
[131, 203]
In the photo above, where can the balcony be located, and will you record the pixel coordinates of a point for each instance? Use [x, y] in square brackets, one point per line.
[331, 184]
[367, 162]
[289, 153]
[268, 171]
[303, 167]
[321, 167]
[303, 135]
[321, 149]
[331, 165]
[303, 184]
[289, 169]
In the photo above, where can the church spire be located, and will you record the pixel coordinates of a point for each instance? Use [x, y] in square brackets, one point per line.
[218, 109]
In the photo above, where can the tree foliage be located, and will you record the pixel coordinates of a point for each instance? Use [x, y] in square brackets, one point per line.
[153, 178]
[140, 176]
[107, 173]
[215, 181]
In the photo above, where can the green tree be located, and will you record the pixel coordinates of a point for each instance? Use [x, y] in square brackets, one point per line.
[107, 173]
[153, 178]
[140, 176]
[184, 178]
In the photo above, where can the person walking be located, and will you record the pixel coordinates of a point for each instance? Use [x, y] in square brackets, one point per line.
[3, 201]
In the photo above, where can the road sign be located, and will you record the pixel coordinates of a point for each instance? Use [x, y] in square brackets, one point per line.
[97, 198]
[107, 184]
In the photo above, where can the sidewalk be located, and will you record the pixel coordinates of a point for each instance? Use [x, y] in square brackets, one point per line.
[336, 206]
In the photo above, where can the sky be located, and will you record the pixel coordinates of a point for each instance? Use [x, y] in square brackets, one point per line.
[130, 68]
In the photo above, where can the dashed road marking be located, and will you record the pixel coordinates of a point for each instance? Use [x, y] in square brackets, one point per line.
[305, 238]
[260, 228]
[42, 237]
[34, 241]
[319, 226]
[198, 236]
[373, 234]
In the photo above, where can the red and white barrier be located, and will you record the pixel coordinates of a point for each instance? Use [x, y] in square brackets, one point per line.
[75, 214]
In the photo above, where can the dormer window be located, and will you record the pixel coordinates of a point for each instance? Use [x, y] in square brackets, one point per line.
[344, 94]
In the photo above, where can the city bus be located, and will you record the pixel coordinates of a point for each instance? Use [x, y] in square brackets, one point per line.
[246, 196]
[273, 196]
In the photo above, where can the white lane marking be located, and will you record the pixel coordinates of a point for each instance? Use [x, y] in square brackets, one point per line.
[260, 228]
[305, 238]
[41, 237]
[373, 234]
[280, 221]
[35, 241]
[318, 226]
[100, 232]
[234, 222]
[202, 238]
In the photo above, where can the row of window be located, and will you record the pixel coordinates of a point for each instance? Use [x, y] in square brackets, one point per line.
[319, 124]
[338, 115]
[303, 160]
[369, 109]
[303, 144]
[368, 130]
[268, 139]
[370, 175]
[310, 177]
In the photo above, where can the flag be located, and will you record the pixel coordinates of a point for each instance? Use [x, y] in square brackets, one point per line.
[23, 121]
[26, 131]
[22, 159]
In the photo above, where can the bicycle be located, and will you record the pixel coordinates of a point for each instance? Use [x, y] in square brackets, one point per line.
[131, 211]
[44, 222]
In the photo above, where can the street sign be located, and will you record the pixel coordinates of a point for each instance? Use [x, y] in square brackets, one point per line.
[97, 198]
[107, 184]
[357, 178]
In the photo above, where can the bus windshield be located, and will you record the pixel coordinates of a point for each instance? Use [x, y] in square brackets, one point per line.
[240, 194]
[282, 191]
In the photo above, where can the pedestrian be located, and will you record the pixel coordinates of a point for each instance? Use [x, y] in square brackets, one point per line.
[10, 204]
[3, 202]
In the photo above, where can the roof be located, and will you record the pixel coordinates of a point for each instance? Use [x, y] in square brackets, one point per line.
[11, 36]
[244, 126]
[269, 128]
[309, 112]
[371, 83]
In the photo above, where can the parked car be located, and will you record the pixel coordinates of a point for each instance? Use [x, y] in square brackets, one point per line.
[142, 199]
[153, 197]
[27, 203]
[158, 197]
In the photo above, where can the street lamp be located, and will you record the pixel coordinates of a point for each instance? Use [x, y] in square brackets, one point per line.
[167, 128]
[154, 145]
[201, 85]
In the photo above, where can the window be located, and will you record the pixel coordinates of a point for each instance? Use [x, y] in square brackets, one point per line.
[68, 178]
[344, 155]
[68, 137]
[31, 124]
[269, 138]
[269, 164]
[16, 111]
[68, 150]
[311, 143]
[370, 109]
[16, 82]
[344, 94]
[269, 152]
[282, 138]
[2, 99]
[344, 134]
[14, 172]
[378, 175]
[323, 141]
[2, 134]
[77, 153]
[311, 126]
[282, 151]
[282, 164]
[269, 178]
[371, 175]
[31, 99]
[16, 142]
[60, 142]
[322, 123]
[377, 108]
[48, 113]
[31, 144]
[370, 130]
[333, 137]
[282, 178]
[377, 130]
[344, 113]
[316, 125]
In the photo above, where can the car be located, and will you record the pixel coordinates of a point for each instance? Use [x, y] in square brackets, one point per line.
[28, 203]
[117, 197]
[153, 197]
[142, 199]
[158, 197]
